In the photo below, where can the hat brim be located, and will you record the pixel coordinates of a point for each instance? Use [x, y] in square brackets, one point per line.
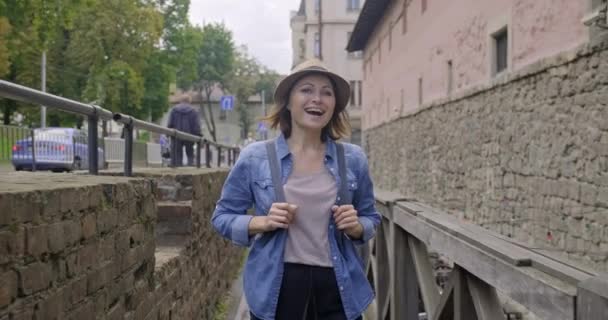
[341, 87]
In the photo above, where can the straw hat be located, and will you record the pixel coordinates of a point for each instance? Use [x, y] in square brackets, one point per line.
[341, 87]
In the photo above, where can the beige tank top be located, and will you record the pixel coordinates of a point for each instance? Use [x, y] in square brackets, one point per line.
[307, 241]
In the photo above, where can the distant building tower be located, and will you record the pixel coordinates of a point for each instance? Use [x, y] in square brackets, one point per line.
[321, 29]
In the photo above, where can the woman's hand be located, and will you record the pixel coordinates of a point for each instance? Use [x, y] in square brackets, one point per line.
[279, 217]
[347, 220]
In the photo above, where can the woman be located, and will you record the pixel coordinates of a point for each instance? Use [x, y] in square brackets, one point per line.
[310, 211]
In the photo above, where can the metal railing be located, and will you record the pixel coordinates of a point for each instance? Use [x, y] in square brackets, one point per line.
[96, 113]
[488, 270]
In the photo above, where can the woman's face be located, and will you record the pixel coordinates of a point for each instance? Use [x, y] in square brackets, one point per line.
[312, 102]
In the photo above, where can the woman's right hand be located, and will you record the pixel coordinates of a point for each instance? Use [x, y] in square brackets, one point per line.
[279, 217]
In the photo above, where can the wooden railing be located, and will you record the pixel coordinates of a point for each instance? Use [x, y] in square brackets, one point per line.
[485, 264]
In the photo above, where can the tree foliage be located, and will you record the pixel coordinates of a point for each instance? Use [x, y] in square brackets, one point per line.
[215, 62]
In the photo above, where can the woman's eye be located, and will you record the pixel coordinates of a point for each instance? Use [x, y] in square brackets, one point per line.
[329, 93]
[307, 90]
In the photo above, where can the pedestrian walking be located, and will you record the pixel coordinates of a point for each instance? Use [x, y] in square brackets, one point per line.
[314, 203]
[184, 117]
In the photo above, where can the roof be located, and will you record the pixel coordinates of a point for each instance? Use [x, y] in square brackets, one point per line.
[370, 16]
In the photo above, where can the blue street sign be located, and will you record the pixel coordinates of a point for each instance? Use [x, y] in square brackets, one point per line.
[227, 102]
[262, 127]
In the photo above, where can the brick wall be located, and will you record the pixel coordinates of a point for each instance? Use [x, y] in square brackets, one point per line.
[526, 156]
[83, 247]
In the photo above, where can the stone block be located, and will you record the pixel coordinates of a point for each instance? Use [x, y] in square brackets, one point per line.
[8, 288]
[34, 277]
[56, 237]
[36, 239]
[77, 291]
[84, 311]
[100, 302]
[116, 312]
[52, 308]
[107, 220]
[99, 278]
[12, 244]
[89, 226]
[72, 231]
[88, 255]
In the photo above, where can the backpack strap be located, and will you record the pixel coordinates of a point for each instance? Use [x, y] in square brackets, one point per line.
[275, 171]
[343, 193]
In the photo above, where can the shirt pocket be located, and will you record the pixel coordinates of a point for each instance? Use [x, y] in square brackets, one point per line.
[263, 194]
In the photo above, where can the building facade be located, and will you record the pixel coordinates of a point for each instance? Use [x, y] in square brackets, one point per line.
[419, 51]
[321, 29]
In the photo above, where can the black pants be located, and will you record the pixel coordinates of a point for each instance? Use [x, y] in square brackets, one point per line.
[189, 145]
[308, 293]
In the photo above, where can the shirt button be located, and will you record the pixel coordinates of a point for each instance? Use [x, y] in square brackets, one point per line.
[331, 227]
[341, 288]
[335, 258]
[338, 198]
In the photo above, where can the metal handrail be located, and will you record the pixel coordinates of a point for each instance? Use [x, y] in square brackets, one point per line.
[95, 113]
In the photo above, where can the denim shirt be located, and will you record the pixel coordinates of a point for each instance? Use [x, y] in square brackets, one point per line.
[250, 183]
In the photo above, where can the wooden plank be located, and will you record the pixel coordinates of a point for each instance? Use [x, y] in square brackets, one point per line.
[386, 197]
[485, 299]
[593, 298]
[444, 309]
[424, 272]
[404, 287]
[382, 272]
[544, 295]
[479, 237]
[464, 309]
[503, 247]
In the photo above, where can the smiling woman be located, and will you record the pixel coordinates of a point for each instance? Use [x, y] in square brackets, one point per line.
[313, 200]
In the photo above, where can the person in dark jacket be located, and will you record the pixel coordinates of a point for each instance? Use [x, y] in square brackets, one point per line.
[184, 117]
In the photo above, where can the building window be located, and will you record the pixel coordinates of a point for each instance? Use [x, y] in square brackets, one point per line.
[353, 85]
[359, 96]
[501, 51]
[423, 5]
[450, 77]
[302, 48]
[317, 45]
[420, 98]
[353, 5]
[317, 6]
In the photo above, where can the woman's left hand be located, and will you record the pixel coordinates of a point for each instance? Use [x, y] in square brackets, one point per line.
[347, 220]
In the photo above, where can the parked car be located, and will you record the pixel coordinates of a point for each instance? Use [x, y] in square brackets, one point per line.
[55, 149]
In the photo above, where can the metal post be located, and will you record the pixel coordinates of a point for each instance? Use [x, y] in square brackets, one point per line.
[264, 133]
[128, 129]
[219, 156]
[43, 85]
[33, 151]
[93, 153]
[207, 155]
[229, 151]
[198, 154]
[174, 152]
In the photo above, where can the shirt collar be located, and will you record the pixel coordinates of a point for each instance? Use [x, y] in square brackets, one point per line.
[283, 148]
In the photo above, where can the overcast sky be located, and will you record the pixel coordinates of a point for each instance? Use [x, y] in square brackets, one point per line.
[262, 25]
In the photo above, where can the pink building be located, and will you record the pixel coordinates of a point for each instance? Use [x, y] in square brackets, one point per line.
[418, 51]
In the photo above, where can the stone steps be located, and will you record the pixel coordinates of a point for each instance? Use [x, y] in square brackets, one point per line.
[174, 218]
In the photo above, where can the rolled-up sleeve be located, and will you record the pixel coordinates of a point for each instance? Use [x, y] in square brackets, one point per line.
[230, 217]
[365, 202]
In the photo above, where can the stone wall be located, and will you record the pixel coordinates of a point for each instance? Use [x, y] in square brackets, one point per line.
[74, 247]
[84, 247]
[526, 156]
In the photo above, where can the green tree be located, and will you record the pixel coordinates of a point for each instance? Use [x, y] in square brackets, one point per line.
[215, 63]
[242, 84]
[112, 44]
